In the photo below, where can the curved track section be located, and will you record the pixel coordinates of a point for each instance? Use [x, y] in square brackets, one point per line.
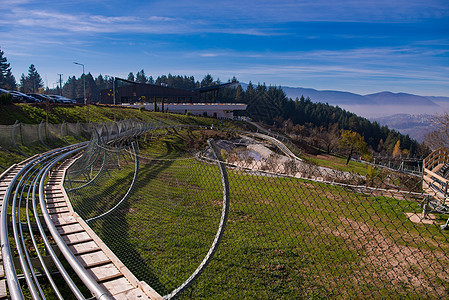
[37, 224]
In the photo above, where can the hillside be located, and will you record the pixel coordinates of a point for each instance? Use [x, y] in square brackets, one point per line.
[57, 114]
[417, 126]
[332, 97]
[389, 98]
[36, 113]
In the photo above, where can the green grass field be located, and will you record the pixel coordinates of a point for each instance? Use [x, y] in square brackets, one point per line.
[286, 238]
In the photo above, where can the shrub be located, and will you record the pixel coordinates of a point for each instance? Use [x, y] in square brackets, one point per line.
[5, 99]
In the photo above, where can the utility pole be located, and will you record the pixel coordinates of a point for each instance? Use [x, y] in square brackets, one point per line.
[84, 81]
[60, 84]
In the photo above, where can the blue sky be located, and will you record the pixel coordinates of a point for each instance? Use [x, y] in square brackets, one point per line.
[349, 45]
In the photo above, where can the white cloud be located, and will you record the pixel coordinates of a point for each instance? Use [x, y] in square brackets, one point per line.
[209, 54]
[265, 11]
[161, 19]
[85, 23]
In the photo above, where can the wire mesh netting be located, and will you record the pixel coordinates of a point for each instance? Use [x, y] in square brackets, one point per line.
[29, 139]
[294, 229]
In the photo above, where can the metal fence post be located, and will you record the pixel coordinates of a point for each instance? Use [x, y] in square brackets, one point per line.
[14, 141]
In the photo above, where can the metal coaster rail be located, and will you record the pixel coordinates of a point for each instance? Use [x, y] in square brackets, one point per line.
[30, 184]
[25, 185]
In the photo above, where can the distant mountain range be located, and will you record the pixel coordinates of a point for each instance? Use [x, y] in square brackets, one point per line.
[409, 114]
[378, 104]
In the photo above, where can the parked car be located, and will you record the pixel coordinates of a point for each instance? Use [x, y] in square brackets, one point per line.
[22, 98]
[62, 99]
[42, 98]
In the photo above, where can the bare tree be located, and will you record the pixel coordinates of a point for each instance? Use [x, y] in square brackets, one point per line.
[439, 138]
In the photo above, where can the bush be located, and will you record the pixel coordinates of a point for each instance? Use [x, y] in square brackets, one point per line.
[5, 99]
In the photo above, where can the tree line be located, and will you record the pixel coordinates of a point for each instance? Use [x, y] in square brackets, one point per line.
[318, 124]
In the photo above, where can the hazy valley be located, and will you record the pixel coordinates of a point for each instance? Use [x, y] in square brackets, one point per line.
[409, 114]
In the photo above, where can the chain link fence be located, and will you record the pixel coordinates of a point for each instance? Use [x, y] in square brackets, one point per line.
[292, 229]
[24, 140]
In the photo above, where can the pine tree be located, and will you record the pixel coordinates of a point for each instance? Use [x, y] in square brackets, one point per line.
[140, 77]
[208, 80]
[239, 94]
[100, 82]
[131, 76]
[92, 91]
[69, 89]
[32, 82]
[7, 80]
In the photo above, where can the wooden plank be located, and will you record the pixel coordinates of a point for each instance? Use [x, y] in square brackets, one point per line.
[52, 199]
[106, 272]
[84, 248]
[53, 194]
[131, 294]
[93, 259]
[70, 228]
[3, 293]
[56, 204]
[149, 291]
[58, 210]
[63, 220]
[76, 238]
[433, 174]
[52, 187]
[117, 286]
[55, 188]
[60, 215]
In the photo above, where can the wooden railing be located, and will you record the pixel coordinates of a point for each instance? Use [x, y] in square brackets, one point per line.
[435, 181]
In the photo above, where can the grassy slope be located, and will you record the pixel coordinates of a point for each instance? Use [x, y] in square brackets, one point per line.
[34, 114]
[286, 238]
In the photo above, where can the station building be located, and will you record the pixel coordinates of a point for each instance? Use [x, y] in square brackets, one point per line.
[144, 92]
[216, 110]
[163, 98]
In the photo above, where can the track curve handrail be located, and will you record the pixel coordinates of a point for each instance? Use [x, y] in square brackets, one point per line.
[224, 217]
[131, 187]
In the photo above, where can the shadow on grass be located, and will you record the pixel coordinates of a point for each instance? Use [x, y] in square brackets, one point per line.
[115, 230]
